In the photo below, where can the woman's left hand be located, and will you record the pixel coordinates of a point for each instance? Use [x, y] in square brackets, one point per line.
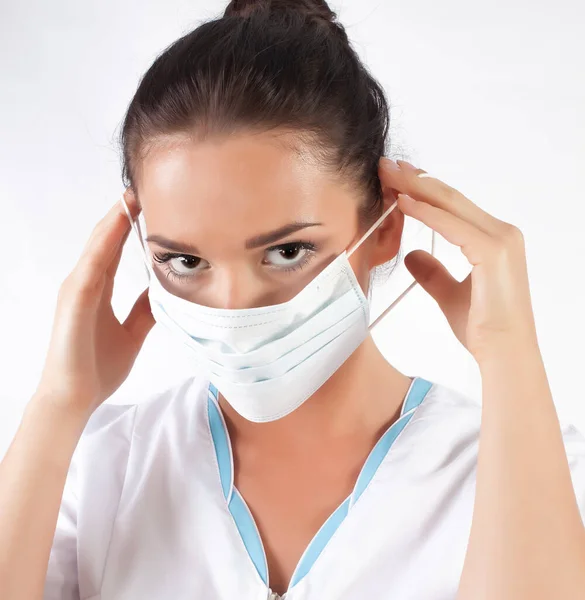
[491, 308]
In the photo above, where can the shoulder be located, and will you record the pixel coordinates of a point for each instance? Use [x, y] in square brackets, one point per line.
[449, 422]
[574, 441]
[108, 434]
[448, 409]
[115, 419]
[445, 406]
[443, 433]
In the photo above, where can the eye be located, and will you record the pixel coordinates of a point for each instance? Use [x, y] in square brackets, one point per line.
[293, 255]
[180, 265]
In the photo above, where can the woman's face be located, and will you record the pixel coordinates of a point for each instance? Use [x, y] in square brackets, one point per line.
[246, 221]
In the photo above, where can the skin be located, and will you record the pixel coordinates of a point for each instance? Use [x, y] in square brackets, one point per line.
[215, 195]
[521, 448]
[527, 539]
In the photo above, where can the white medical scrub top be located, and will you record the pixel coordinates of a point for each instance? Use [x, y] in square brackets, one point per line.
[150, 511]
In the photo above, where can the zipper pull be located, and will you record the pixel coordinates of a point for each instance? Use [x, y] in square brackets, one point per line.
[273, 595]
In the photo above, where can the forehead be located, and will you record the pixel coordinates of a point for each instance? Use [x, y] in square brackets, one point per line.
[237, 187]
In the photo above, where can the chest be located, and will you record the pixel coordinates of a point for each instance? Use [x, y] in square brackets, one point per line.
[290, 501]
[403, 538]
[182, 529]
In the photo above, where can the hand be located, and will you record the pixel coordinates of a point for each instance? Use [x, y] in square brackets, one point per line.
[491, 308]
[90, 351]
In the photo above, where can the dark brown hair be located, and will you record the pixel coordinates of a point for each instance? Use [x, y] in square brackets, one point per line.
[266, 64]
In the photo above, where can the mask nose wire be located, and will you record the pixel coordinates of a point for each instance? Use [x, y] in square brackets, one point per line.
[136, 230]
[371, 229]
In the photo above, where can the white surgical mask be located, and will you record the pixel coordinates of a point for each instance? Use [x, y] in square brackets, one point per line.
[266, 361]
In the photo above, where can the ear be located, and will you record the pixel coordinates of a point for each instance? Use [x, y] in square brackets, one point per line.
[387, 237]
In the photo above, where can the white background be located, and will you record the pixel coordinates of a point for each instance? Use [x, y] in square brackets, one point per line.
[489, 97]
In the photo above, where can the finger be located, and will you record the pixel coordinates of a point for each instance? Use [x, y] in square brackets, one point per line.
[475, 243]
[104, 244]
[140, 320]
[432, 276]
[134, 209]
[452, 296]
[405, 178]
[111, 270]
[131, 202]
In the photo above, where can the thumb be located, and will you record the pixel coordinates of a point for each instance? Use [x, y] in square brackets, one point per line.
[433, 277]
[140, 320]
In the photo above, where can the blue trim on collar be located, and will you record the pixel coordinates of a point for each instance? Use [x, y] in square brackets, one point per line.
[416, 395]
[418, 390]
[237, 507]
[241, 513]
[213, 391]
[249, 534]
[221, 444]
[318, 543]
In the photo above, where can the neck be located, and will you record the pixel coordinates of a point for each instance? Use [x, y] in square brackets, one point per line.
[363, 397]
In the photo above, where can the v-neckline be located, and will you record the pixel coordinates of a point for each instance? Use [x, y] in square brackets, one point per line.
[241, 514]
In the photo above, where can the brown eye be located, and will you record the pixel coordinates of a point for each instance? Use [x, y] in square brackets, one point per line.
[185, 264]
[181, 265]
[289, 256]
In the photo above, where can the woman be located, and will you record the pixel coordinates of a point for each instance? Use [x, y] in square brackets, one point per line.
[302, 465]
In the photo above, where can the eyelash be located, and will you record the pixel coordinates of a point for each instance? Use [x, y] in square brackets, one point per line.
[165, 257]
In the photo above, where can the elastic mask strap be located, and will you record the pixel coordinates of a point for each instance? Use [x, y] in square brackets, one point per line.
[371, 229]
[405, 292]
[136, 228]
[364, 238]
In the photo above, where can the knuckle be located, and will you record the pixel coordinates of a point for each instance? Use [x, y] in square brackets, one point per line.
[67, 286]
[449, 191]
[506, 243]
[512, 236]
[81, 283]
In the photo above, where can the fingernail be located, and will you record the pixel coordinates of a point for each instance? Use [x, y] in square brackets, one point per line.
[390, 164]
[406, 164]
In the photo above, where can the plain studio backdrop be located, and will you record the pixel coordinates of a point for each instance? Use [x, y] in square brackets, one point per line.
[489, 97]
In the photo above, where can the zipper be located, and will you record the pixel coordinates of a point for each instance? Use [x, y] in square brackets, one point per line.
[274, 596]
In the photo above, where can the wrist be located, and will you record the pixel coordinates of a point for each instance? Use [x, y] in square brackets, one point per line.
[512, 358]
[507, 349]
[49, 433]
[57, 409]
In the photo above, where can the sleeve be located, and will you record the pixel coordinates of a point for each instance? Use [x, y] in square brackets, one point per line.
[575, 448]
[81, 534]
[61, 582]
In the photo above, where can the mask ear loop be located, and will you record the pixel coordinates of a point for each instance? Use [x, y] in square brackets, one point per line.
[136, 228]
[413, 284]
[371, 229]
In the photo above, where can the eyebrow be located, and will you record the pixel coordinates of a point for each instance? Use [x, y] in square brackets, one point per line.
[256, 242]
[282, 232]
[171, 245]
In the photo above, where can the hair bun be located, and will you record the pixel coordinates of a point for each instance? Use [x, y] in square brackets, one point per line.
[311, 8]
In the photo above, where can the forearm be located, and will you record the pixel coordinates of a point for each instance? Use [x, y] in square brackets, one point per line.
[32, 479]
[527, 538]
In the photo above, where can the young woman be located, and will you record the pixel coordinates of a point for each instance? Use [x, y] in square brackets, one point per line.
[298, 463]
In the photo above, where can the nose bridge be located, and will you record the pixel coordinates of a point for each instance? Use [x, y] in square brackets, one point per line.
[238, 287]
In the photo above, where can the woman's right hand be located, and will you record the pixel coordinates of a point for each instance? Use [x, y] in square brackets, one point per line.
[90, 352]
